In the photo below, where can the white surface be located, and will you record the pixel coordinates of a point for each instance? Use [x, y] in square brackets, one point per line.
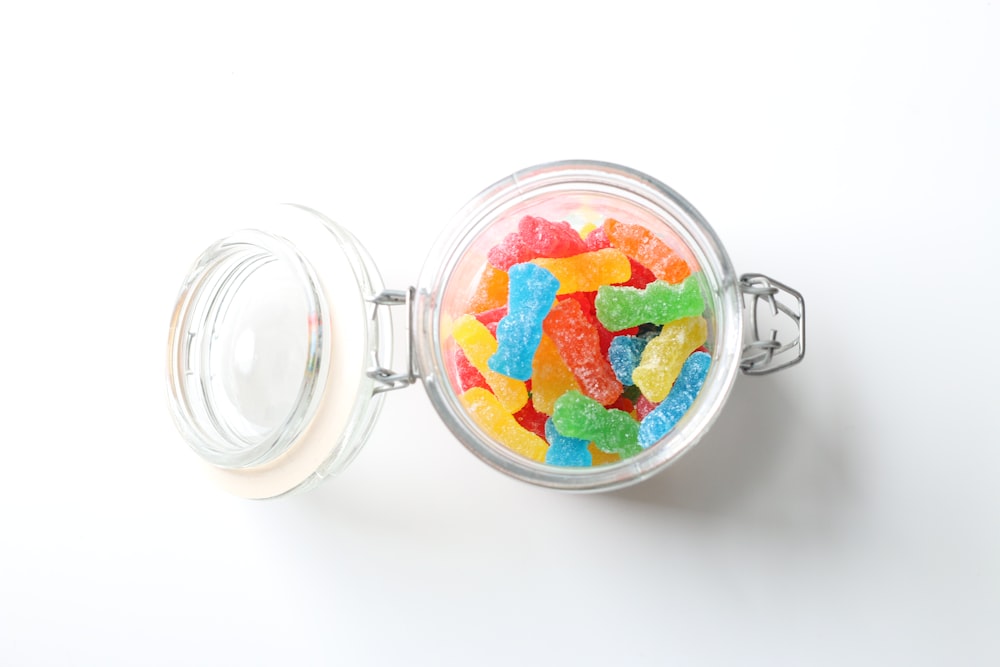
[844, 512]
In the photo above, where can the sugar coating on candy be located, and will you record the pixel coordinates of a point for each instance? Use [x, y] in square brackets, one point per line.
[624, 354]
[531, 294]
[468, 375]
[559, 325]
[580, 347]
[500, 425]
[660, 302]
[648, 249]
[479, 345]
[600, 458]
[643, 406]
[588, 271]
[536, 237]
[581, 417]
[550, 377]
[564, 450]
[665, 416]
[490, 291]
[665, 355]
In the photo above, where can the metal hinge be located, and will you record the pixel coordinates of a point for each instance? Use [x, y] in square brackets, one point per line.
[385, 378]
[762, 355]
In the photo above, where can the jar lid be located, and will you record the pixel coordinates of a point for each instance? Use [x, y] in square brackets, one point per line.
[270, 343]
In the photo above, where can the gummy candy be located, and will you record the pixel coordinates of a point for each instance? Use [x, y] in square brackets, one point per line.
[479, 345]
[532, 292]
[564, 450]
[550, 378]
[610, 430]
[659, 303]
[588, 271]
[665, 416]
[494, 418]
[536, 237]
[531, 419]
[571, 341]
[490, 292]
[646, 248]
[664, 355]
[579, 346]
[624, 354]
[468, 375]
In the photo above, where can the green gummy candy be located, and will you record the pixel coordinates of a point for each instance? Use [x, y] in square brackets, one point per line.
[612, 431]
[623, 307]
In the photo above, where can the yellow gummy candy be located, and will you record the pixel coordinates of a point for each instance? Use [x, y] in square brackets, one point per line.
[664, 356]
[588, 270]
[599, 457]
[550, 377]
[500, 425]
[586, 229]
[479, 345]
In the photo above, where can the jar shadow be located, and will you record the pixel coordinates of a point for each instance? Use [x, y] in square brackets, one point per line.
[766, 457]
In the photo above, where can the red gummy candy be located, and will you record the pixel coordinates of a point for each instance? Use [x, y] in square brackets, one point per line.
[641, 276]
[492, 316]
[643, 406]
[531, 419]
[598, 240]
[579, 345]
[586, 301]
[468, 375]
[623, 404]
[536, 237]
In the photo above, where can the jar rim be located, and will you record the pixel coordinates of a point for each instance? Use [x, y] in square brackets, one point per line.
[667, 206]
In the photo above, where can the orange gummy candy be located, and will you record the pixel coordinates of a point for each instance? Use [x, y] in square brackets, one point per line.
[648, 249]
[491, 292]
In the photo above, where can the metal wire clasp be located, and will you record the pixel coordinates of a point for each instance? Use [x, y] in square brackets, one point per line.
[766, 355]
[385, 378]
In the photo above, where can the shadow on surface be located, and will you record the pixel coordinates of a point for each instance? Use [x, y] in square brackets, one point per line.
[771, 456]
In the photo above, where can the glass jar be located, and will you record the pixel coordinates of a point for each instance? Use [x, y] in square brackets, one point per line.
[280, 348]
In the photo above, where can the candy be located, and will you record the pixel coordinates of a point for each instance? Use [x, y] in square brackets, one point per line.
[664, 355]
[564, 450]
[579, 346]
[624, 354]
[479, 345]
[569, 345]
[588, 271]
[536, 237]
[500, 425]
[550, 378]
[600, 458]
[665, 416]
[490, 292]
[660, 302]
[610, 430]
[468, 375]
[646, 248]
[531, 419]
[532, 291]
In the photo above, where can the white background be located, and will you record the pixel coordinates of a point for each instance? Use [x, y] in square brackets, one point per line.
[846, 511]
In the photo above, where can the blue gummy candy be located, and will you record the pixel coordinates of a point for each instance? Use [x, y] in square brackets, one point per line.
[624, 354]
[530, 294]
[564, 450]
[666, 415]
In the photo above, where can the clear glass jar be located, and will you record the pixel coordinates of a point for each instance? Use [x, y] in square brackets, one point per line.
[280, 343]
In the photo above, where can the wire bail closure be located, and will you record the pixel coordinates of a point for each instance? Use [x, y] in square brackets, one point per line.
[385, 378]
[766, 355]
